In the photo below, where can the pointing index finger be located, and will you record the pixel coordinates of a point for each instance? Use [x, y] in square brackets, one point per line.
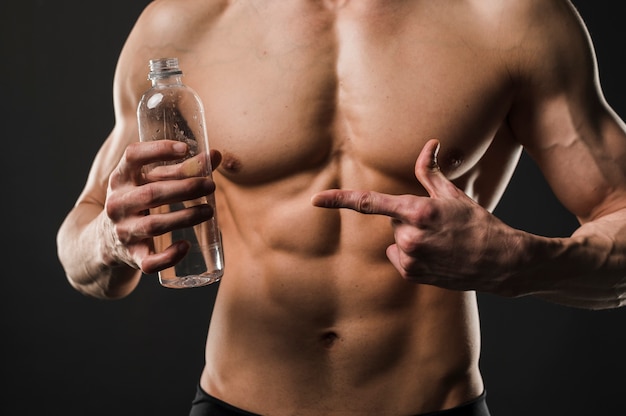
[365, 202]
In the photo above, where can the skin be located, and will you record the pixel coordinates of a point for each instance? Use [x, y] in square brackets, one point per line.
[360, 148]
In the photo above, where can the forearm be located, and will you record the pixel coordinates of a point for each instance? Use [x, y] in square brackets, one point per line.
[586, 270]
[86, 250]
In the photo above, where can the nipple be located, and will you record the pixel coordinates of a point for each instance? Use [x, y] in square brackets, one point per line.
[230, 163]
[452, 160]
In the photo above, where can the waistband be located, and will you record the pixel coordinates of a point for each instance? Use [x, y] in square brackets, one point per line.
[206, 405]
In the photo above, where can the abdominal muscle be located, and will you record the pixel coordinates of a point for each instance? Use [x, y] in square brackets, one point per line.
[311, 317]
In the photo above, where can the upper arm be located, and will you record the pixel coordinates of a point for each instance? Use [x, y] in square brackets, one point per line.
[160, 31]
[559, 113]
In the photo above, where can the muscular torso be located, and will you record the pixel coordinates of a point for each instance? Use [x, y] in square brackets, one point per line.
[302, 96]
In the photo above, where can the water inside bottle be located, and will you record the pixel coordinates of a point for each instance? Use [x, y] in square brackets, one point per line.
[203, 263]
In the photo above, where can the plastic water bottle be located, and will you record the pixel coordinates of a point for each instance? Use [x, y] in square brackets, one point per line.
[170, 110]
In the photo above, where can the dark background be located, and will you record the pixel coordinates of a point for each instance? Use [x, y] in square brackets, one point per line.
[63, 353]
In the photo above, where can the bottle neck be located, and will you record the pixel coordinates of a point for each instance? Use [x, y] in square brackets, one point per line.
[171, 79]
[165, 71]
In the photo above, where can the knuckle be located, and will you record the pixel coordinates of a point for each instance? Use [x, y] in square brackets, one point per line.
[407, 264]
[202, 186]
[121, 235]
[147, 267]
[364, 202]
[425, 215]
[148, 226]
[115, 178]
[112, 208]
[147, 195]
[131, 153]
[408, 242]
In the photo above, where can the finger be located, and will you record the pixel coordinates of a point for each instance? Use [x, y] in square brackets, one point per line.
[141, 198]
[393, 254]
[196, 166]
[167, 258]
[396, 256]
[365, 202]
[167, 192]
[428, 172]
[135, 230]
[216, 158]
[160, 221]
[143, 153]
[139, 154]
[401, 208]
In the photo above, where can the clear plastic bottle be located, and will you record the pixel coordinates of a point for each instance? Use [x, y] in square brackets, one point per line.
[173, 111]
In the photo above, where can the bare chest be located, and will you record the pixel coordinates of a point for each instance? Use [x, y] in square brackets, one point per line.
[303, 88]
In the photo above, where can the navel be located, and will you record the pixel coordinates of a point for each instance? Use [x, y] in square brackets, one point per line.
[329, 339]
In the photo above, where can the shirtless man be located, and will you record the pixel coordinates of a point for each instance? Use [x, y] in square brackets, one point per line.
[316, 105]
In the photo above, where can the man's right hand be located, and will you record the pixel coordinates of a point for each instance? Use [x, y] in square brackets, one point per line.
[132, 192]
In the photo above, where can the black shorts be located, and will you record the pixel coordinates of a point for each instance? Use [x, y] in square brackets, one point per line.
[207, 405]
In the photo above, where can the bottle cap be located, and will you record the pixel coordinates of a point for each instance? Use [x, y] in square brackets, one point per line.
[163, 67]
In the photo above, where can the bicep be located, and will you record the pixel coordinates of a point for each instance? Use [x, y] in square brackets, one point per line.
[586, 166]
[561, 118]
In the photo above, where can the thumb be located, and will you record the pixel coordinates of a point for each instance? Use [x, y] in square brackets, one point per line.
[428, 172]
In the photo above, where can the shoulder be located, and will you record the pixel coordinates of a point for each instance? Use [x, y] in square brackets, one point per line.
[544, 38]
[165, 28]
[528, 37]
[175, 24]
[526, 14]
[179, 18]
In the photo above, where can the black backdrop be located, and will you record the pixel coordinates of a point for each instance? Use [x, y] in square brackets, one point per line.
[66, 354]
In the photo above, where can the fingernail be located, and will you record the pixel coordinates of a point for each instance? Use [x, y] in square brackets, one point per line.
[434, 164]
[180, 147]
